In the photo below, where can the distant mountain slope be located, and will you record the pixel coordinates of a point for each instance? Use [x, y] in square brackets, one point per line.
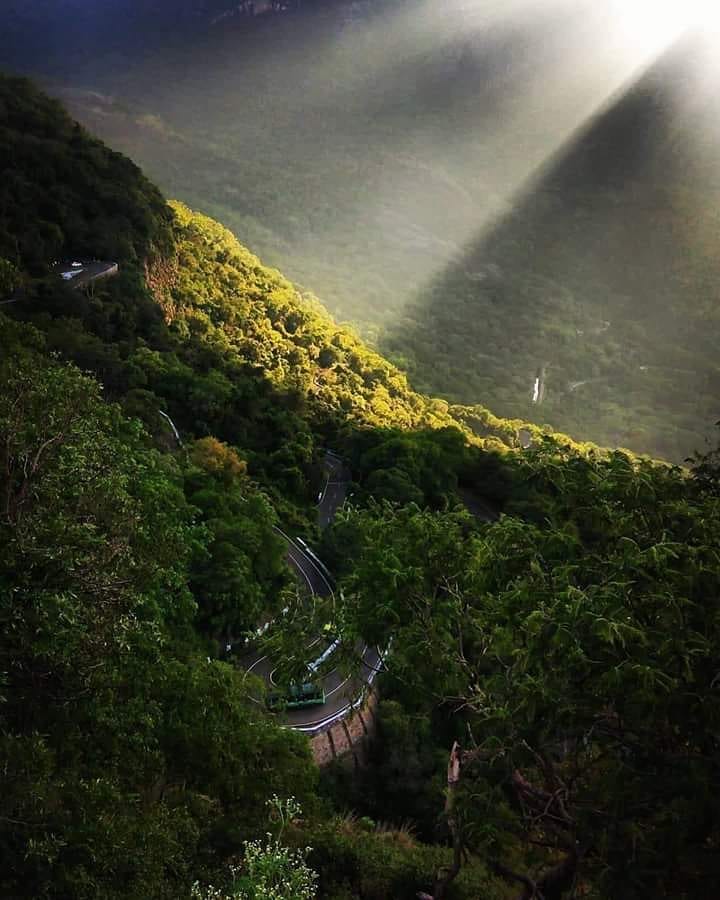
[382, 185]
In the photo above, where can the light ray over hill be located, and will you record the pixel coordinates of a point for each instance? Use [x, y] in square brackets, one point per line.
[566, 62]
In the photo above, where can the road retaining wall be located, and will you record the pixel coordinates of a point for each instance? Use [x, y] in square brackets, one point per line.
[347, 739]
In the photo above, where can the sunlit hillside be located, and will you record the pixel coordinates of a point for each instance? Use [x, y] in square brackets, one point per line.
[492, 195]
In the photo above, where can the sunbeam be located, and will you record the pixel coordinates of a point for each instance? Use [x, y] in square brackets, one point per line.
[364, 147]
[575, 59]
[651, 23]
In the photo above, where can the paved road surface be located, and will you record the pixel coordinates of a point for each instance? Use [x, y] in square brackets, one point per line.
[89, 271]
[82, 275]
[332, 496]
[342, 693]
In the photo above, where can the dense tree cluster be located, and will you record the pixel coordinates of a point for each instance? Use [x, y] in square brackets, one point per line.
[573, 659]
[125, 749]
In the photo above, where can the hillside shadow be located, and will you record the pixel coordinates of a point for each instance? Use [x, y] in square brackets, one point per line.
[586, 277]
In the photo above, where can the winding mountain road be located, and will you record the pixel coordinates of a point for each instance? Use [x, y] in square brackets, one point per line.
[79, 275]
[332, 496]
[76, 275]
[342, 693]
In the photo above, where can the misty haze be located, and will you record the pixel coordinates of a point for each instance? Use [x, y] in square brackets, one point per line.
[515, 202]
